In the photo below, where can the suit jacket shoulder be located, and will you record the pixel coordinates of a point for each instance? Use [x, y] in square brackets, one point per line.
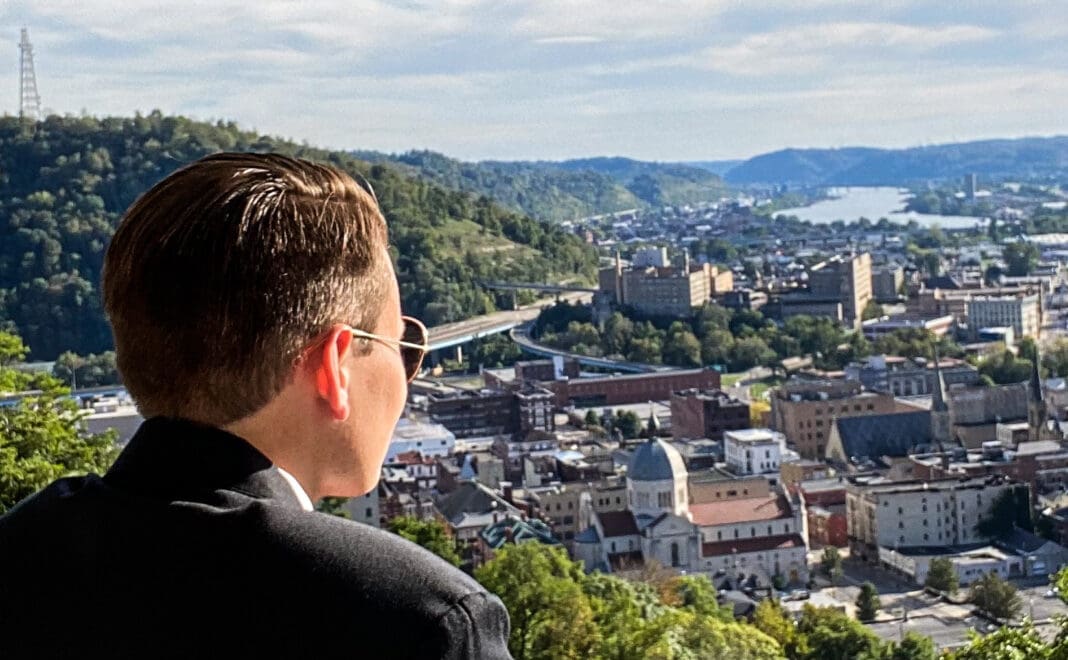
[193, 544]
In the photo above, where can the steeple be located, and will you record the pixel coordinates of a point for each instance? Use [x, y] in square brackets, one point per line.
[938, 402]
[1036, 405]
[652, 425]
[941, 423]
[1036, 378]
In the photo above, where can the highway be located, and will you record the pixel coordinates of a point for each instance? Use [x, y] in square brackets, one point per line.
[519, 336]
[461, 332]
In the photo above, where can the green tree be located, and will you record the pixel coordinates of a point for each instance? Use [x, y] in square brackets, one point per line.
[867, 602]
[430, 534]
[1009, 643]
[334, 506]
[41, 436]
[697, 594]
[872, 310]
[1011, 508]
[831, 635]
[770, 619]
[551, 615]
[628, 424]
[592, 419]
[831, 562]
[913, 646]
[1021, 258]
[1055, 357]
[995, 596]
[682, 349]
[1005, 368]
[942, 576]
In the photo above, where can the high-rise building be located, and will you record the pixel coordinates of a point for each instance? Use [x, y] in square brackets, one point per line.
[1020, 312]
[849, 280]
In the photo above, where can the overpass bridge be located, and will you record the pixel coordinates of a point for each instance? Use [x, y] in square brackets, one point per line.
[531, 286]
[520, 335]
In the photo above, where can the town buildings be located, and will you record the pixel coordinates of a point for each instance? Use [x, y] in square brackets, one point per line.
[752, 534]
[901, 376]
[847, 278]
[753, 451]
[653, 287]
[1021, 312]
[803, 410]
[920, 514]
[697, 413]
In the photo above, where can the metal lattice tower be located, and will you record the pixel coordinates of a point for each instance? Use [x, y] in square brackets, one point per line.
[29, 99]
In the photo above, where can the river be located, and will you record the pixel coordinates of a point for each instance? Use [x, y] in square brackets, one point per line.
[873, 203]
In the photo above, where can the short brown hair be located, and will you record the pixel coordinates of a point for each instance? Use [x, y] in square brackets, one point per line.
[221, 274]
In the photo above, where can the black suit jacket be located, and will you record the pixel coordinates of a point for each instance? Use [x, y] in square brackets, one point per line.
[193, 545]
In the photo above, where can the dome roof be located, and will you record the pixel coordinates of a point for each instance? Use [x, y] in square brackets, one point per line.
[655, 460]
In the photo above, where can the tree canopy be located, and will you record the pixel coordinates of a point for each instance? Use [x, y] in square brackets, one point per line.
[41, 435]
[65, 181]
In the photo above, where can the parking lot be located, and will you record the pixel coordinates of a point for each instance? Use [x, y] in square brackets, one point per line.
[948, 624]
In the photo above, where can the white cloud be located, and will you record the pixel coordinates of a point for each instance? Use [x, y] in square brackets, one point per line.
[551, 78]
[810, 47]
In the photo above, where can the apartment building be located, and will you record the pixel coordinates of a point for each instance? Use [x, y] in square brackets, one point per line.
[698, 413]
[1021, 312]
[847, 278]
[906, 514]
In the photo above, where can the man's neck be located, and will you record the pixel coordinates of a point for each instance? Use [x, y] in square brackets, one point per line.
[274, 432]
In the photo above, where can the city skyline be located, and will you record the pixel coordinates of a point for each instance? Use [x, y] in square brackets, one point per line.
[553, 80]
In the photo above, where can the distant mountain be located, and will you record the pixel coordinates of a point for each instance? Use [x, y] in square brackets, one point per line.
[717, 167]
[1023, 158]
[558, 191]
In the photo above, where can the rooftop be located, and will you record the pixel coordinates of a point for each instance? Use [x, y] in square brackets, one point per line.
[752, 435]
[617, 523]
[757, 544]
[750, 509]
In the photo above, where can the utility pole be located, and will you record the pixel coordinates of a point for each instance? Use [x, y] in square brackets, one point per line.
[29, 99]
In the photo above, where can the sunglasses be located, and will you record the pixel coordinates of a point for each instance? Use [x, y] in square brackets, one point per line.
[413, 345]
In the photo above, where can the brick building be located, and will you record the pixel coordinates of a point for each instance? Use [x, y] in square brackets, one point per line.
[699, 413]
[629, 388]
[803, 410]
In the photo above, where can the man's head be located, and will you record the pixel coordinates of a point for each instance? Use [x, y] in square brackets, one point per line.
[232, 280]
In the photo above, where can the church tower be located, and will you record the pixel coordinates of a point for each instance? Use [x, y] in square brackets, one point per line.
[1036, 405]
[941, 422]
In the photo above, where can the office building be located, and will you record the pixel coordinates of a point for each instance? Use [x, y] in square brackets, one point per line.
[849, 280]
[706, 414]
[1020, 312]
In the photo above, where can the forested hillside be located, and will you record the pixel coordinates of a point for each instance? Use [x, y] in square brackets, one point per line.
[1025, 158]
[65, 182]
[567, 190]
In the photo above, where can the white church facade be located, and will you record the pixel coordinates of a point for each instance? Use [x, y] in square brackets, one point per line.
[763, 535]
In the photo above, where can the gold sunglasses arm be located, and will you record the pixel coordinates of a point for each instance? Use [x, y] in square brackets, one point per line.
[396, 342]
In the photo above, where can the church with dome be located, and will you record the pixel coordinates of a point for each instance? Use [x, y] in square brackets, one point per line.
[734, 526]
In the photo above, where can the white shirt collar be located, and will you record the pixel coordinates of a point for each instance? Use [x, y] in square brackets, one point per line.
[305, 501]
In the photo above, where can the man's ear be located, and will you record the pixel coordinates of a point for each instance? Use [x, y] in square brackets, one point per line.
[331, 378]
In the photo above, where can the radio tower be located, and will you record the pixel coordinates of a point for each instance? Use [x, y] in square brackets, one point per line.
[29, 99]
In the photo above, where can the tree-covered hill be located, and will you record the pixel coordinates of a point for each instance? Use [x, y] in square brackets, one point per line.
[1026, 158]
[558, 191]
[65, 181]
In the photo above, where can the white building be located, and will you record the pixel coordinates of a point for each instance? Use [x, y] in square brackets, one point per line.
[763, 535]
[918, 514]
[1021, 313]
[753, 451]
[428, 439]
[650, 256]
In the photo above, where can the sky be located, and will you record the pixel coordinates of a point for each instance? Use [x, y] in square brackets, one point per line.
[667, 80]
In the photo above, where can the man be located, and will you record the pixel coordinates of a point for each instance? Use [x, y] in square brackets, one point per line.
[257, 325]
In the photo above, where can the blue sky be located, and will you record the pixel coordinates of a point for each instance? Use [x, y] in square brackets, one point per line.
[552, 79]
